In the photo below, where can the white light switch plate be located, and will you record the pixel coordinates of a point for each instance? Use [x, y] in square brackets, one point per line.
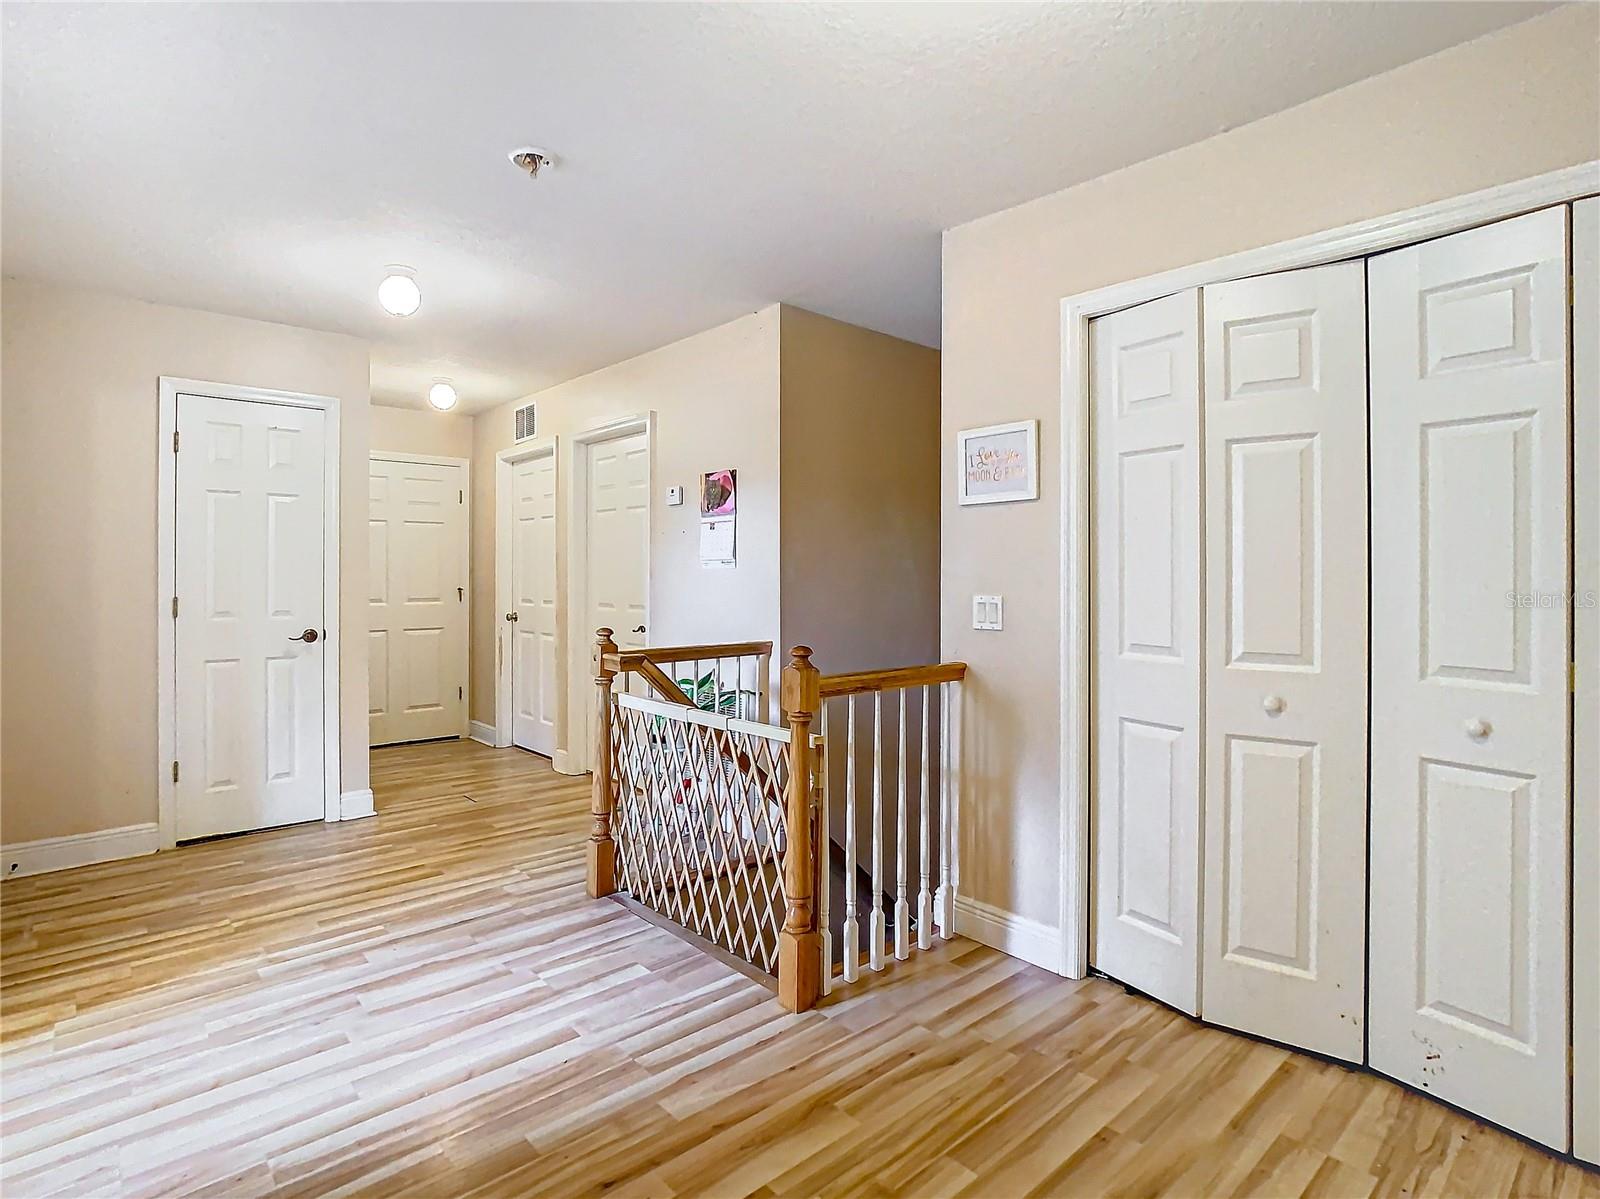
[986, 612]
[674, 496]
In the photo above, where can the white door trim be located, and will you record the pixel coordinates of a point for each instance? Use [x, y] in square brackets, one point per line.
[166, 581]
[466, 554]
[1351, 241]
[580, 640]
[423, 459]
[524, 451]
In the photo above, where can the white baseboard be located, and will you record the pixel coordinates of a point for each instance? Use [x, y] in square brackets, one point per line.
[1016, 935]
[561, 763]
[482, 733]
[80, 849]
[353, 805]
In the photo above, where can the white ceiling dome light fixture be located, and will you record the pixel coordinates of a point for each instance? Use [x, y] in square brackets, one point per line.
[442, 395]
[399, 293]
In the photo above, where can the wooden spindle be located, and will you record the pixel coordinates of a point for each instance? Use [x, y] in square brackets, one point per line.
[851, 947]
[602, 856]
[875, 923]
[799, 944]
[924, 896]
[902, 907]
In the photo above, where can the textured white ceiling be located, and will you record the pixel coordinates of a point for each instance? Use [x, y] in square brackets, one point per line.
[268, 159]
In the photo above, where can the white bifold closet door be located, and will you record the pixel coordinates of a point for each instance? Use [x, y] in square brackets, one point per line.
[1286, 657]
[1145, 804]
[1586, 698]
[1470, 643]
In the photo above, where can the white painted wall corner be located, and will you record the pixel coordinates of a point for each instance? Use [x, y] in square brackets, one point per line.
[353, 805]
[482, 733]
[1019, 936]
[79, 849]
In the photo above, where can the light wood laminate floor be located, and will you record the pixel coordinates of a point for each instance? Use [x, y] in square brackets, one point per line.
[427, 1004]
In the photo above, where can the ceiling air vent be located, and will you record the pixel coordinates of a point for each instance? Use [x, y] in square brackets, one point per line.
[527, 421]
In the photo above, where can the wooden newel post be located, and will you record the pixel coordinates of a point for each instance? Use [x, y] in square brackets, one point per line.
[602, 849]
[800, 942]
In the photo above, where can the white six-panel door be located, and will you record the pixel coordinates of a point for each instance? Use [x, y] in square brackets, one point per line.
[249, 635]
[1147, 662]
[417, 612]
[533, 594]
[617, 539]
[1285, 663]
[1586, 700]
[1470, 805]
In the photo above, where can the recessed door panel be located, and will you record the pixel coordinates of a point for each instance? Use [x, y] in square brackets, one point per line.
[1470, 651]
[417, 615]
[1274, 546]
[533, 587]
[1269, 884]
[1476, 477]
[1149, 550]
[1285, 700]
[1145, 781]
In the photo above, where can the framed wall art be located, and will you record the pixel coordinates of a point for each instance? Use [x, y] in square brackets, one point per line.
[998, 464]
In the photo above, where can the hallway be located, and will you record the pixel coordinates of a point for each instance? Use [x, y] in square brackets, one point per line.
[426, 1003]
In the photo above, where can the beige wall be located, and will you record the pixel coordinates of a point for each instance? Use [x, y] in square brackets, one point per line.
[715, 397]
[1514, 104]
[79, 382]
[421, 431]
[860, 518]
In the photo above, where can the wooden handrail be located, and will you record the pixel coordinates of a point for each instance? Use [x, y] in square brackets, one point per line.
[663, 683]
[866, 681]
[630, 659]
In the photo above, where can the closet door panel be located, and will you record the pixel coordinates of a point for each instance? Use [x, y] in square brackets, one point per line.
[1586, 699]
[1146, 684]
[1470, 644]
[1286, 657]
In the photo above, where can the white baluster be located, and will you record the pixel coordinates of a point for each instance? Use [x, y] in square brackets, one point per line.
[852, 933]
[942, 900]
[902, 908]
[825, 863]
[924, 896]
[875, 925]
[764, 689]
[958, 691]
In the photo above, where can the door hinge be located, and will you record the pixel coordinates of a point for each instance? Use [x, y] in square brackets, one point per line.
[174, 441]
[461, 693]
[174, 771]
[461, 497]
[174, 607]
[461, 595]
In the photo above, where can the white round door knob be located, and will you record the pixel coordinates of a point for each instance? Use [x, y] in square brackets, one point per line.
[1478, 729]
[1272, 705]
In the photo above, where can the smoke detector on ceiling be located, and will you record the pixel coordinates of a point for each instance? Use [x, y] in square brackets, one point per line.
[532, 160]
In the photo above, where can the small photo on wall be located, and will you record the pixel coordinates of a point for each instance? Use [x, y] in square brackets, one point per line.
[998, 464]
[719, 493]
